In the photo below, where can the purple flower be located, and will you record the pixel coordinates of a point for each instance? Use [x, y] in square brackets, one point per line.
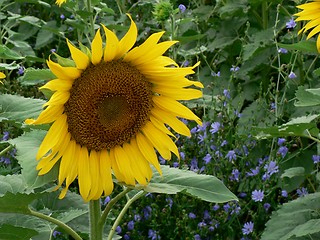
[62, 16]
[231, 155]
[272, 106]
[234, 69]
[226, 93]
[291, 23]
[162, 160]
[192, 215]
[292, 75]
[53, 50]
[118, 230]
[215, 207]
[201, 224]
[218, 74]
[194, 165]
[56, 233]
[137, 217]
[206, 215]
[182, 8]
[242, 195]
[175, 164]
[215, 127]
[106, 200]
[257, 195]
[235, 175]
[130, 225]
[281, 141]
[126, 237]
[5, 160]
[224, 142]
[282, 50]
[283, 151]
[197, 237]
[5, 136]
[253, 172]
[147, 212]
[316, 159]
[185, 63]
[207, 158]
[247, 228]
[267, 206]
[284, 193]
[153, 234]
[226, 207]
[169, 201]
[271, 168]
[302, 192]
[20, 70]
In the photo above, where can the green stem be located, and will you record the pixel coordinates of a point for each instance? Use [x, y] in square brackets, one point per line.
[4, 151]
[60, 224]
[94, 217]
[91, 22]
[264, 14]
[123, 211]
[109, 207]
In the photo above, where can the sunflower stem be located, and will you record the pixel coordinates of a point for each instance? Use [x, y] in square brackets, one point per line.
[91, 22]
[123, 211]
[60, 224]
[94, 217]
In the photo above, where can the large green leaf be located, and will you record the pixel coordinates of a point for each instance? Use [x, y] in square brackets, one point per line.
[34, 76]
[7, 53]
[27, 146]
[18, 108]
[9, 232]
[17, 203]
[300, 126]
[307, 97]
[304, 46]
[205, 187]
[12, 183]
[298, 218]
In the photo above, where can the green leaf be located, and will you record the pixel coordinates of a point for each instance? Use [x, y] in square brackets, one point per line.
[205, 187]
[7, 53]
[301, 126]
[35, 76]
[18, 108]
[304, 46]
[9, 232]
[12, 183]
[293, 172]
[295, 219]
[17, 203]
[306, 98]
[27, 147]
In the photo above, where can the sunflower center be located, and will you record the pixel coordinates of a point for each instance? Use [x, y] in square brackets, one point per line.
[108, 105]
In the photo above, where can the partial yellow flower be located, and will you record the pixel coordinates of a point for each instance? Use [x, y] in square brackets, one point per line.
[59, 2]
[111, 111]
[2, 75]
[310, 12]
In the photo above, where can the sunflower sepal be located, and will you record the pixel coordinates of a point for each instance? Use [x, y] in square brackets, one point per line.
[64, 62]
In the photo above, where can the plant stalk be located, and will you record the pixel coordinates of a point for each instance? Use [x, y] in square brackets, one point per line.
[94, 217]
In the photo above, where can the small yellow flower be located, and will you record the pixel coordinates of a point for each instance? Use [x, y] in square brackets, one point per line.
[111, 111]
[2, 75]
[59, 2]
[310, 12]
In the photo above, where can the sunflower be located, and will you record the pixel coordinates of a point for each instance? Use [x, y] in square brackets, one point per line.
[2, 75]
[310, 12]
[59, 2]
[110, 111]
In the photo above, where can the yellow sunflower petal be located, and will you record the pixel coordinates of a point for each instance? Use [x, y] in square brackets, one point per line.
[112, 45]
[127, 42]
[105, 172]
[80, 58]
[96, 48]
[140, 51]
[160, 126]
[175, 107]
[172, 121]
[147, 150]
[57, 85]
[67, 161]
[58, 98]
[177, 93]
[2, 75]
[124, 165]
[84, 178]
[48, 115]
[63, 73]
[56, 131]
[313, 32]
[96, 188]
[115, 167]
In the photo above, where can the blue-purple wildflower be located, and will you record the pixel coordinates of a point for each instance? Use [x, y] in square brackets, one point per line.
[215, 127]
[316, 159]
[247, 228]
[283, 150]
[207, 158]
[302, 192]
[182, 8]
[291, 23]
[231, 155]
[292, 75]
[257, 195]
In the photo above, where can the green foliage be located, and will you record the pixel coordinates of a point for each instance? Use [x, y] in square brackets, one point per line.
[298, 218]
[204, 187]
[9, 232]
